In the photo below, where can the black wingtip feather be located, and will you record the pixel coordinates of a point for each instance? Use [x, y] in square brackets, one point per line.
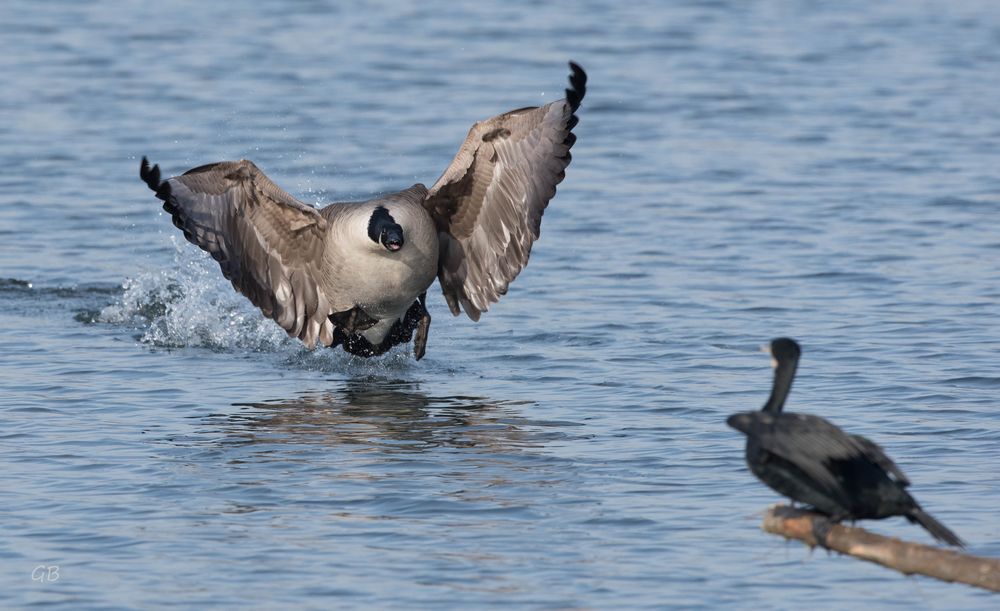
[578, 86]
[151, 176]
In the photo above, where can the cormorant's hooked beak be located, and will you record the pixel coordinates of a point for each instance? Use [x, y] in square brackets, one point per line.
[767, 348]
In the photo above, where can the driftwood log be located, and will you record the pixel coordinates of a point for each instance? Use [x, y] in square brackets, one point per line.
[900, 555]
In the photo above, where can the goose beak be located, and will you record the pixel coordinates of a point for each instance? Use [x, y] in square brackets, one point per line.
[392, 238]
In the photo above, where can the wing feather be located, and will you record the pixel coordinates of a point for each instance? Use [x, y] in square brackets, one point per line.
[809, 442]
[267, 243]
[488, 204]
[877, 455]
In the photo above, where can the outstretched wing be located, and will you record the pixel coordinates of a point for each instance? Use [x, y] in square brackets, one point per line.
[488, 204]
[268, 244]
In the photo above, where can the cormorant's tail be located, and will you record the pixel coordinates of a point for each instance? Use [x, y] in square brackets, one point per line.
[939, 530]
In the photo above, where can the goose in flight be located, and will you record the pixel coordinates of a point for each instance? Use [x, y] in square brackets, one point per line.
[813, 461]
[356, 274]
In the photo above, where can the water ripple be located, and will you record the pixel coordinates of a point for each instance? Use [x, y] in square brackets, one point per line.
[742, 170]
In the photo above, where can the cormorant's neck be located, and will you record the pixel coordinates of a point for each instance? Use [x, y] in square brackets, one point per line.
[783, 376]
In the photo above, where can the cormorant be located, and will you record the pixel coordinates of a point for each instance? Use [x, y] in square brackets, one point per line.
[811, 460]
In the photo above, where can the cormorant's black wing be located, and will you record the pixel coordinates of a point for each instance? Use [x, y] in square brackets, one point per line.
[809, 442]
[877, 455]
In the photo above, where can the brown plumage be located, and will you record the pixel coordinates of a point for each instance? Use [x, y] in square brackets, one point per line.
[311, 270]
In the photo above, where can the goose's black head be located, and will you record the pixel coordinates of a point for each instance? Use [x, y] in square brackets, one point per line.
[384, 230]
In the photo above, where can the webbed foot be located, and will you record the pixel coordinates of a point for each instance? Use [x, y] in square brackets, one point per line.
[353, 320]
[348, 324]
[821, 529]
[423, 327]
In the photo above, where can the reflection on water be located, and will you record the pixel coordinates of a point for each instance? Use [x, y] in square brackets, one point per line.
[381, 449]
[743, 170]
[394, 415]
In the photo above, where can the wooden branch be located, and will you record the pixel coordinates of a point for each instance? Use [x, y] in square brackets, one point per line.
[905, 557]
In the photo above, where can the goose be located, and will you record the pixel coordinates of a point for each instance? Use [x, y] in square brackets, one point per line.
[813, 461]
[356, 274]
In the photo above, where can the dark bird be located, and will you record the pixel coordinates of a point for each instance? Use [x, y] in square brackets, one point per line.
[355, 274]
[810, 460]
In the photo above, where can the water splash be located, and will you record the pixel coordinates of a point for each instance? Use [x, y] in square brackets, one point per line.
[191, 304]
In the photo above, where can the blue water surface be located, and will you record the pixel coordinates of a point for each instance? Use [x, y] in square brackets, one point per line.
[744, 170]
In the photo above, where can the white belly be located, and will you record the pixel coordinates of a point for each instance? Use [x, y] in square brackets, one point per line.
[385, 286]
[364, 274]
[390, 293]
